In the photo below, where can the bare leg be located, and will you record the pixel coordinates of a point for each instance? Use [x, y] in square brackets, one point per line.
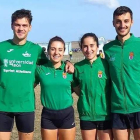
[136, 133]
[25, 136]
[49, 134]
[5, 135]
[66, 134]
[105, 134]
[89, 134]
[121, 134]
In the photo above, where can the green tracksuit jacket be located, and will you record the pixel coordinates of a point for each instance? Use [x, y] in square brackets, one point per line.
[94, 81]
[124, 64]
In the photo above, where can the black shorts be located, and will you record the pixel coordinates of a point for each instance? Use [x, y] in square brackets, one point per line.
[57, 119]
[126, 121]
[24, 121]
[99, 125]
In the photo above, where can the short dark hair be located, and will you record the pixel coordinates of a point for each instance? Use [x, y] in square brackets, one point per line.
[56, 38]
[122, 10]
[21, 14]
[88, 35]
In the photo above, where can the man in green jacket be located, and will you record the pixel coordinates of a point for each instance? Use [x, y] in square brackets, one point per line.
[123, 56]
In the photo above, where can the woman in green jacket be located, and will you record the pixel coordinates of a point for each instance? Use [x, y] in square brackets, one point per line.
[92, 84]
[57, 117]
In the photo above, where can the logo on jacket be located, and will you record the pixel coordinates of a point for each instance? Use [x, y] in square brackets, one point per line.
[112, 57]
[48, 73]
[100, 73]
[10, 50]
[64, 75]
[26, 54]
[131, 55]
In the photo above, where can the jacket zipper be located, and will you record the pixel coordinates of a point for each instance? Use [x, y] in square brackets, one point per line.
[92, 108]
[123, 80]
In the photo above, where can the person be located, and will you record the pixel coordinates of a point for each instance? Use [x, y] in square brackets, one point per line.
[58, 114]
[70, 54]
[44, 49]
[122, 55]
[18, 58]
[101, 54]
[92, 84]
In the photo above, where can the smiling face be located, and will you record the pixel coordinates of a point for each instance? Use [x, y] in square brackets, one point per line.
[90, 48]
[56, 52]
[122, 24]
[21, 28]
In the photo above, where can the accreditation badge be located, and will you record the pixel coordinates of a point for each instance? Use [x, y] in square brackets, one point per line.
[64, 75]
[131, 55]
[100, 73]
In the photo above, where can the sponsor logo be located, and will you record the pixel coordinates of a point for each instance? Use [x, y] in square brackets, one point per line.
[16, 63]
[10, 50]
[26, 54]
[64, 75]
[5, 61]
[100, 73]
[16, 71]
[131, 55]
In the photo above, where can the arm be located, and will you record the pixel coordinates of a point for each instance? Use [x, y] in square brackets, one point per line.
[36, 82]
[75, 83]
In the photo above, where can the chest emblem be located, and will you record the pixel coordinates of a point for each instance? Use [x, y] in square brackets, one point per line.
[26, 54]
[131, 55]
[112, 57]
[64, 75]
[100, 74]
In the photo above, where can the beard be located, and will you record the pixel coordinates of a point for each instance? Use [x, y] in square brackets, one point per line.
[123, 35]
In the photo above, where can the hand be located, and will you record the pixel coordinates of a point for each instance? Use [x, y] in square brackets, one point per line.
[69, 67]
